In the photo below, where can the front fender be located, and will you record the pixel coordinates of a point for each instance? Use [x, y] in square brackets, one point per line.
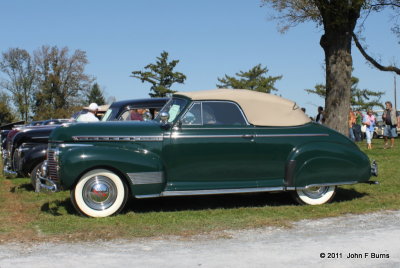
[31, 155]
[326, 163]
[75, 161]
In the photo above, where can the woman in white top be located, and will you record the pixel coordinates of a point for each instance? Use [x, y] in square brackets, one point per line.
[369, 120]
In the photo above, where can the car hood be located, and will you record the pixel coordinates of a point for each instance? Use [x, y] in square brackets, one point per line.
[102, 131]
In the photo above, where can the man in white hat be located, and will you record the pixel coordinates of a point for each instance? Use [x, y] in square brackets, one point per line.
[91, 115]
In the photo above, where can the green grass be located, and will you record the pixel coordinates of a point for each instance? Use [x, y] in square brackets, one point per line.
[28, 216]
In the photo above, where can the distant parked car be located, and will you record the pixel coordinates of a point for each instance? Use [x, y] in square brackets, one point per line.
[379, 130]
[201, 143]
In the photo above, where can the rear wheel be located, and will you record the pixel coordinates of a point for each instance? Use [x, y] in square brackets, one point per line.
[315, 195]
[99, 193]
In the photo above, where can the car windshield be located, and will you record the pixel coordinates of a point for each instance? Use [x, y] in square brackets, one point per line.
[173, 108]
[106, 115]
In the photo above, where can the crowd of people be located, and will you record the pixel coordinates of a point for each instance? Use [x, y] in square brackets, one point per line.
[363, 125]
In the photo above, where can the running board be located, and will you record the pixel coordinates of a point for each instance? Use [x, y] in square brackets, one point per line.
[213, 192]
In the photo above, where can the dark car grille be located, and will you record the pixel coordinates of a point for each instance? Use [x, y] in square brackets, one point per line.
[52, 166]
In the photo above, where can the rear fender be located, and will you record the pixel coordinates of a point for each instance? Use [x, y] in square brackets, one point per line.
[326, 163]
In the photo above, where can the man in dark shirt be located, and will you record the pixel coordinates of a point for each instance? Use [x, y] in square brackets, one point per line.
[389, 116]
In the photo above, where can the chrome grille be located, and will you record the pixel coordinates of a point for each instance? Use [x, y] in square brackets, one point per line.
[52, 166]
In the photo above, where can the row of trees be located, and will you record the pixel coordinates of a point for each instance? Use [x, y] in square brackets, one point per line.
[161, 76]
[53, 84]
[49, 83]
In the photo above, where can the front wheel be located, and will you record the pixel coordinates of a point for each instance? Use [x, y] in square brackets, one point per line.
[99, 193]
[315, 195]
[34, 175]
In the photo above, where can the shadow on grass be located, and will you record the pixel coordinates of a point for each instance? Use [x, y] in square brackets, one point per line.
[343, 195]
[226, 201]
[59, 207]
[22, 187]
[168, 204]
[183, 203]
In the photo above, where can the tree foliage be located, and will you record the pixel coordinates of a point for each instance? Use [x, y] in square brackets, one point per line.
[160, 75]
[95, 95]
[361, 99]
[6, 113]
[19, 69]
[254, 79]
[61, 81]
[338, 19]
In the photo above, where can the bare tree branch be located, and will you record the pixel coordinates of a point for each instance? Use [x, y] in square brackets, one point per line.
[372, 60]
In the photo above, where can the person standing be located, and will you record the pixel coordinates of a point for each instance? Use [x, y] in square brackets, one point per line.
[369, 120]
[389, 116]
[357, 126]
[320, 116]
[90, 116]
[351, 122]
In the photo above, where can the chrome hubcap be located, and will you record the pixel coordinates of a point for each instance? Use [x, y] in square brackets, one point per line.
[315, 192]
[99, 193]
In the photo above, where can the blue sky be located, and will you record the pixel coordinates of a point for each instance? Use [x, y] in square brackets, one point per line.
[210, 38]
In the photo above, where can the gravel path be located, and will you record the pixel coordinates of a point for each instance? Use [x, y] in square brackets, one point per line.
[373, 240]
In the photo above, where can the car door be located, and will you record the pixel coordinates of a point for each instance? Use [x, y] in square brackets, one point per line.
[274, 144]
[211, 148]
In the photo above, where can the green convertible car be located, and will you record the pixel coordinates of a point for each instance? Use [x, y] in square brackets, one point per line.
[207, 142]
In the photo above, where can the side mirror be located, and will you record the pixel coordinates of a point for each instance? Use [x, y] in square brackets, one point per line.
[164, 117]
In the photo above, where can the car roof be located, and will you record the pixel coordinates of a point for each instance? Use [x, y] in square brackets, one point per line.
[261, 109]
[139, 102]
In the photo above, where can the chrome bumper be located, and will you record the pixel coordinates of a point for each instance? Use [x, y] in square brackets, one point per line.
[9, 173]
[43, 183]
[6, 166]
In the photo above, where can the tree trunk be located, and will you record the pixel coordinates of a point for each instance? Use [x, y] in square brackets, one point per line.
[338, 60]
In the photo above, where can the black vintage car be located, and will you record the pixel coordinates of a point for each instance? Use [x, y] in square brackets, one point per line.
[26, 150]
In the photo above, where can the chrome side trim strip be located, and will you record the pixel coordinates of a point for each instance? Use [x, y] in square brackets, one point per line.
[146, 177]
[321, 185]
[291, 135]
[176, 135]
[117, 138]
[64, 145]
[147, 196]
[331, 184]
[221, 191]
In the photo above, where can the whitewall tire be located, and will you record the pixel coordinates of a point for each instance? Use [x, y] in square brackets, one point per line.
[315, 195]
[99, 193]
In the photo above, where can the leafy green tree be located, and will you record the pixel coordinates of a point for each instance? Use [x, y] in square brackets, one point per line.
[6, 113]
[19, 69]
[254, 79]
[95, 95]
[338, 19]
[62, 81]
[160, 75]
[360, 99]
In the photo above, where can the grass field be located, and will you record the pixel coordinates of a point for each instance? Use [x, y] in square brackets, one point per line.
[28, 217]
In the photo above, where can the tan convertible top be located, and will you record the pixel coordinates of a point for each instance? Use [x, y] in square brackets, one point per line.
[261, 109]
